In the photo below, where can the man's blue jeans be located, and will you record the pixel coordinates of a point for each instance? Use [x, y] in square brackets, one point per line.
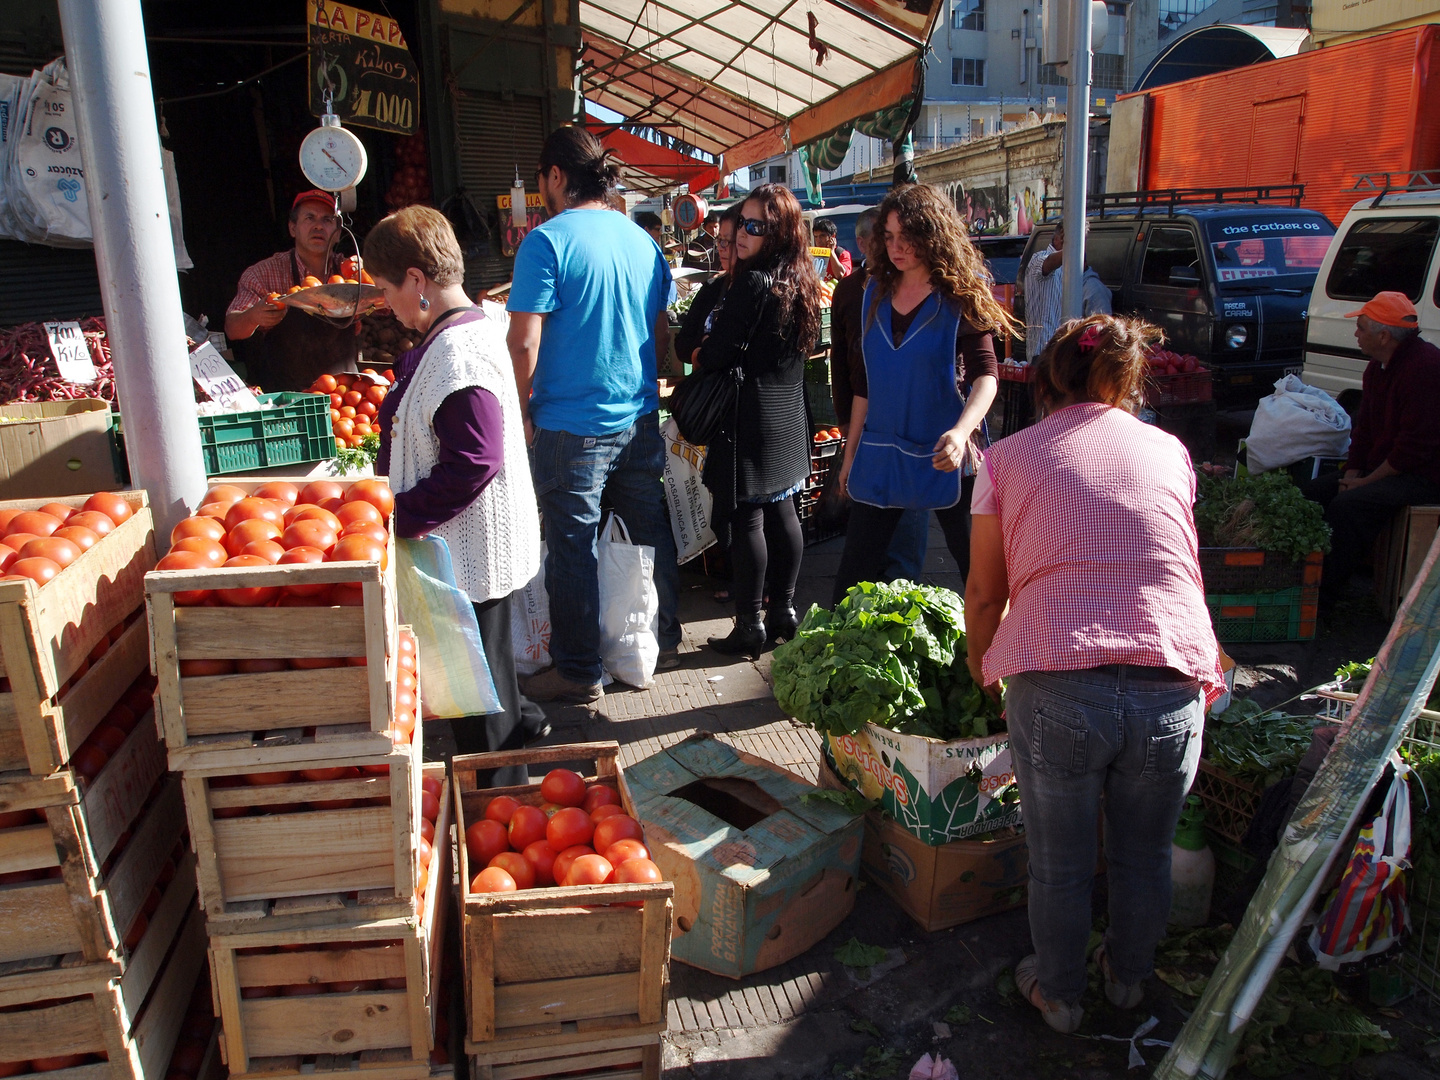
[571, 474]
[1131, 734]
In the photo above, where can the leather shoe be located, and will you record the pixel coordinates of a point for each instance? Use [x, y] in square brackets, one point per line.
[550, 685]
[745, 640]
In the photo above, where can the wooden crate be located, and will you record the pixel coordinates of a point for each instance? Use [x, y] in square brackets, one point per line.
[47, 633]
[247, 862]
[614, 1057]
[132, 1018]
[380, 1034]
[1402, 548]
[552, 967]
[91, 903]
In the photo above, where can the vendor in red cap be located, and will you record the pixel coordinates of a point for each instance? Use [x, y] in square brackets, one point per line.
[285, 349]
[1394, 458]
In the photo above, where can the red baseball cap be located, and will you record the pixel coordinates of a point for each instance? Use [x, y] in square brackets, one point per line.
[1388, 309]
[315, 195]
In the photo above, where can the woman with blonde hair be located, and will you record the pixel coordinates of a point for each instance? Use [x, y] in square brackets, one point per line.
[928, 324]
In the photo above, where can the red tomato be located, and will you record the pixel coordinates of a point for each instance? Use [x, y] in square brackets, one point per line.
[97, 523]
[8, 515]
[303, 554]
[318, 491]
[429, 805]
[314, 663]
[589, 870]
[197, 526]
[207, 667]
[617, 827]
[58, 550]
[527, 825]
[563, 786]
[187, 560]
[366, 528]
[55, 1064]
[39, 570]
[89, 760]
[212, 551]
[502, 808]
[637, 871]
[484, 840]
[33, 522]
[111, 504]
[261, 665]
[59, 511]
[108, 737]
[136, 931]
[432, 784]
[16, 541]
[268, 779]
[541, 857]
[604, 810]
[257, 596]
[517, 866]
[599, 795]
[359, 510]
[225, 493]
[347, 594]
[427, 831]
[622, 851]
[376, 492]
[216, 510]
[355, 548]
[569, 827]
[309, 533]
[566, 858]
[492, 880]
[7, 559]
[268, 550]
[250, 508]
[278, 491]
[247, 532]
[424, 851]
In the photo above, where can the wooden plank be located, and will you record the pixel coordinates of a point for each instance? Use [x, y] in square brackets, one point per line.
[364, 787]
[25, 792]
[202, 841]
[464, 766]
[38, 921]
[30, 847]
[225, 987]
[133, 874]
[268, 700]
[95, 694]
[559, 1000]
[378, 646]
[326, 1024]
[69, 1028]
[225, 754]
[52, 978]
[480, 987]
[146, 960]
[299, 854]
[116, 795]
[159, 1027]
[165, 666]
[654, 959]
[535, 945]
[331, 573]
[257, 633]
[417, 993]
[319, 966]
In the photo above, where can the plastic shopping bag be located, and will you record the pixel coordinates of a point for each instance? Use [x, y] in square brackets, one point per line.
[453, 670]
[689, 499]
[1293, 423]
[628, 605]
[530, 623]
[1368, 913]
[46, 182]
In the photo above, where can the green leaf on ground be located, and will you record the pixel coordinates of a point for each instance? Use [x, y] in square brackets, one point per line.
[856, 954]
[865, 1027]
[958, 1015]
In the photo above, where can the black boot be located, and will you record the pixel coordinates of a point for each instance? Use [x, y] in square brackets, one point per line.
[747, 639]
[781, 622]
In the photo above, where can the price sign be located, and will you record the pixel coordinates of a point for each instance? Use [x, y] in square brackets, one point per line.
[72, 355]
[218, 379]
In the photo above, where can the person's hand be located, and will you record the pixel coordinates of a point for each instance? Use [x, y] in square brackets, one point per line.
[267, 314]
[950, 451]
[529, 432]
[842, 484]
[1352, 480]
[974, 663]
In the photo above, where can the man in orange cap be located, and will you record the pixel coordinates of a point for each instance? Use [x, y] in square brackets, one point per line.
[1394, 458]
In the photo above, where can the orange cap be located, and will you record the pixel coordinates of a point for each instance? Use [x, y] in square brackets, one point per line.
[1388, 309]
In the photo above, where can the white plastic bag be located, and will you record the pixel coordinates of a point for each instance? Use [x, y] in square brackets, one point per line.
[530, 624]
[46, 184]
[1296, 422]
[689, 499]
[628, 605]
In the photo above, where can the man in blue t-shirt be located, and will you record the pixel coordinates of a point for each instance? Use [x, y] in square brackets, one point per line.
[587, 320]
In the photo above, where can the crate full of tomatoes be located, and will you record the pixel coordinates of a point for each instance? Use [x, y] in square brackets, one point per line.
[309, 990]
[1175, 379]
[275, 609]
[71, 586]
[567, 920]
[355, 400]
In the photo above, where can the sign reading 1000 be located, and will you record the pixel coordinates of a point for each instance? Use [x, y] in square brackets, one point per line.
[362, 59]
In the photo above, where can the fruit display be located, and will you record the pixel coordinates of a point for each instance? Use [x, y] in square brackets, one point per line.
[383, 338]
[580, 835]
[355, 401]
[411, 181]
[827, 435]
[28, 371]
[1168, 362]
[39, 544]
[352, 272]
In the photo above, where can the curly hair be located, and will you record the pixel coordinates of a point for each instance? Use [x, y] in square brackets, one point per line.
[1105, 365]
[928, 221]
[785, 255]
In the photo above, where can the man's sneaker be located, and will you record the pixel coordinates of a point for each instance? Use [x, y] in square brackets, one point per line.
[550, 685]
[669, 660]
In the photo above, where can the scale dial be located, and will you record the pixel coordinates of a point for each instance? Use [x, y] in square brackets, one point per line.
[333, 159]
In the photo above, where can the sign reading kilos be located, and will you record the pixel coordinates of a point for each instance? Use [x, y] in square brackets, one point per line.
[362, 59]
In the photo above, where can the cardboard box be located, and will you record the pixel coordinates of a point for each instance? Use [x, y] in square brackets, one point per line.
[941, 887]
[55, 448]
[939, 791]
[760, 874]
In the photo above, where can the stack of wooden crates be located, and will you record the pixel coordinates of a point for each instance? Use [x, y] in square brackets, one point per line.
[100, 939]
[305, 818]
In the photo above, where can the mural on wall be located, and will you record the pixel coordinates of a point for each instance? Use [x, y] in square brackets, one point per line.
[1026, 206]
[995, 211]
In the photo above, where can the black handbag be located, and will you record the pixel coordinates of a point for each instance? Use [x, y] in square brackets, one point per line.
[705, 404]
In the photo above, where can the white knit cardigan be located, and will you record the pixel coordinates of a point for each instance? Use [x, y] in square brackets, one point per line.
[495, 541]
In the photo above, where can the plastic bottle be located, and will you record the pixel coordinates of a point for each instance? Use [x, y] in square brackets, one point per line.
[1192, 868]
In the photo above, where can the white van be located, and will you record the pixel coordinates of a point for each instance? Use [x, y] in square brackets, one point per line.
[1390, 241]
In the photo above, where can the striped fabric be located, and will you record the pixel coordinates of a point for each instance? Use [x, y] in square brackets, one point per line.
[1042, 303]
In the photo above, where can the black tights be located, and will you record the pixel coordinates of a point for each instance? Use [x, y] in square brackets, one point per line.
[751, 557]
[868, 535]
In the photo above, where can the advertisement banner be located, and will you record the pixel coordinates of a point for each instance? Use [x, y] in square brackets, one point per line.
[362, 59]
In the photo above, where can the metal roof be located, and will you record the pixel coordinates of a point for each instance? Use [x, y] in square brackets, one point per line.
[750, 79]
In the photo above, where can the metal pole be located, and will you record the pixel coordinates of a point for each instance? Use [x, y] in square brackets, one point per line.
[115, 112]
[1077, 160]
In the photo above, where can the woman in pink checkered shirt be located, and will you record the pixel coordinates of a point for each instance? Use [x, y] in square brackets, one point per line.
[1083, 525]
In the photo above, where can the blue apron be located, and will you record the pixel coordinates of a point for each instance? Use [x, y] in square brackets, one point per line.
[913, 401]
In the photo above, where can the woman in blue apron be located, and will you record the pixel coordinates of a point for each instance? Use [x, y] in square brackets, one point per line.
[915, 436]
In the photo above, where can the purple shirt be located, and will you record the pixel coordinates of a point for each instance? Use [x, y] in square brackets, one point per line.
[470, 430]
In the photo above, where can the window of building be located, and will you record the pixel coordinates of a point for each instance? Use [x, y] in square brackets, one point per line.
[1107, 71]
[1383, 254]
[1050, 76]
[967, 71]
[968, 15]
[777, 174]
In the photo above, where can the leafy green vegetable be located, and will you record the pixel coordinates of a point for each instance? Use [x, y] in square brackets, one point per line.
[850, 801]
[355, 458]
[856, 954]
[1424, 814]
[1252, 744]
[1265, 511]
[893, 655]
[1354, 674]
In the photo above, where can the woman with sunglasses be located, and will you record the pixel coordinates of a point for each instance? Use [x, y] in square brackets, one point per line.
[927, 322]
[766, 326]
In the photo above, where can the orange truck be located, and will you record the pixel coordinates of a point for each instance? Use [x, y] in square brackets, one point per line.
[1319, 118]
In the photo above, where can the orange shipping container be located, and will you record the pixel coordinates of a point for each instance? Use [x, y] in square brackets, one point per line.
[1319, 118]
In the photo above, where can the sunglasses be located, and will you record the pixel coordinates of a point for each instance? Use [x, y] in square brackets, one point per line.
[753, 226]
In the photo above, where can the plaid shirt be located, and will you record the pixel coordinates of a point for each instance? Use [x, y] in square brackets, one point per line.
[1095, 510]
[1042, 303]
[275, 274]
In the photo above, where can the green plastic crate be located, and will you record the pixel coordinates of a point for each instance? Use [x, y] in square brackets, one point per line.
[1276, 615]
[1232, 866]
[295, 431]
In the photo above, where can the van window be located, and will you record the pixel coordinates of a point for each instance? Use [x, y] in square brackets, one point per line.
[1275, 256]
[1108, 250]
[1166, 249]
[1389, 254]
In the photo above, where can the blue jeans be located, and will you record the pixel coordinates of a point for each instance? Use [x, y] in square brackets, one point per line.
[1131, 734]
[907, 546]
[571, 474]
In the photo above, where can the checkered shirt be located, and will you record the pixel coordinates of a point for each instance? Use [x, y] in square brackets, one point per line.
[275, 274]
[1096, 515]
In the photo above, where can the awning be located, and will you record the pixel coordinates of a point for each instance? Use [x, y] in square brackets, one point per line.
[652, 167]
[751, 79]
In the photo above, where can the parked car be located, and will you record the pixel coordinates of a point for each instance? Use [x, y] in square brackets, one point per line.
[1228, 282]
[1386, 242]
